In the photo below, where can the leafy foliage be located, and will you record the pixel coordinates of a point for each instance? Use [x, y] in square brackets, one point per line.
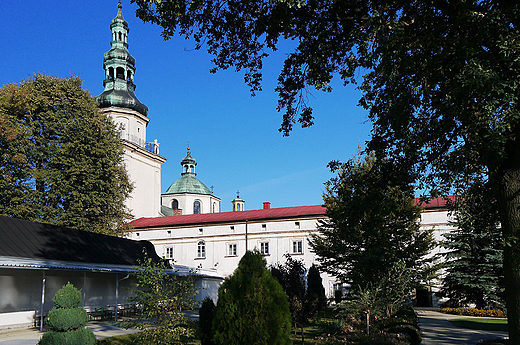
[252, 307]
[61, 161]
[440, 82]
[67, 321]
[372, 225]
[474, 269]
[162, 298]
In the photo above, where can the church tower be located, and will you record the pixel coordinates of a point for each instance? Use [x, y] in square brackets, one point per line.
[118, 101]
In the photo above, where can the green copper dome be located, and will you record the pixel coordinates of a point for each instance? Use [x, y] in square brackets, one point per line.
[188, 183]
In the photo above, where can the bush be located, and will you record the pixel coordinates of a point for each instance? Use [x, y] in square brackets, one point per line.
[81, 336]
[67, 297]
[206, 313]
[413, 334]
[67, 321]
[252, 307]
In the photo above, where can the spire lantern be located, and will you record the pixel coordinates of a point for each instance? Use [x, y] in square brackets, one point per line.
[119, 66]
[188, 164]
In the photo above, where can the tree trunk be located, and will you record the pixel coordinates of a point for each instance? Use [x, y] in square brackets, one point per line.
[508, 179]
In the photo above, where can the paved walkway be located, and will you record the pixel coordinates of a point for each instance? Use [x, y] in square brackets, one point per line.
[31, 335]
[437, 330]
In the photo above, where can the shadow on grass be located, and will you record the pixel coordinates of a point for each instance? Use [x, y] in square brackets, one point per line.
[481, 324]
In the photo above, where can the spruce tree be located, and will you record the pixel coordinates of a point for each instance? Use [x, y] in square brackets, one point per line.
[252, 308]
[475, 252]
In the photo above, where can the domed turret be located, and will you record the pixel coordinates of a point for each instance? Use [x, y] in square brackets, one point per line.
[188, 195]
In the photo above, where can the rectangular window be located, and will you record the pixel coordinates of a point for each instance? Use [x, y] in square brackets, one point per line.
[297, 247]
[169, 233]
[264, 227]
[201, 230]
[264, 248]
[232, 228]
[296, 225]
[168, 253]
[232, 249]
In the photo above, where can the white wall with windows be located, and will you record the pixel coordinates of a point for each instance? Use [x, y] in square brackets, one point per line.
[219, 247]
[187, 203]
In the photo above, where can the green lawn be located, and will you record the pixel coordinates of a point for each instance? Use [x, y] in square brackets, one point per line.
[481, 324]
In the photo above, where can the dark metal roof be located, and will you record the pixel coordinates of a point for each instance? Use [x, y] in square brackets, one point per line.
[24, 239]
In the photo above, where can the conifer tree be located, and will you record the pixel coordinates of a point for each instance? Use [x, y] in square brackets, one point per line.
[252, 308]
[475, 252]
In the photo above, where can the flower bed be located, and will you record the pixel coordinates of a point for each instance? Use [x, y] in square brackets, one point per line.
[473, 312]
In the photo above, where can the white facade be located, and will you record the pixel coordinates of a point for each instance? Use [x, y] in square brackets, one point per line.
[219, 244]
[142, 162]
[186, 202]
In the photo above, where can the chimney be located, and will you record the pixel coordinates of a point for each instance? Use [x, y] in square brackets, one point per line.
[267, 205]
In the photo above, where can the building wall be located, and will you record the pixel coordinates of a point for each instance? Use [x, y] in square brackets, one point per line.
[280, 234]
[143, 167]
[21, 291]
[217, 238]
[186, 202]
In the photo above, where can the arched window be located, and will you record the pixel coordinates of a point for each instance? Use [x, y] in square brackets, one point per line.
[201, 249]
[119, 36]
[196, 207]
[129, 75]
[111, 73]
[238, 207]
[214, 207]
[175, 204]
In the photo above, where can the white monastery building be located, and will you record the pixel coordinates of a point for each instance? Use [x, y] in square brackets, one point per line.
[185, 223]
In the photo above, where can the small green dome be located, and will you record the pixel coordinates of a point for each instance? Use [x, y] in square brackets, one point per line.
[188, 183]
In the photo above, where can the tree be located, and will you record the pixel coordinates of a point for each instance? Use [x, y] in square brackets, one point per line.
[440, 81]
[61, 161]
[474, 271]
[67, 320]
[252, 307]
[206, 313]
[315, 289]
[372, 224]
[303, 302]
[162, 298]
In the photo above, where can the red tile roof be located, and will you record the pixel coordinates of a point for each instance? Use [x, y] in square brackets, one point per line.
[436, 202]
[272, 213]
[242, 216]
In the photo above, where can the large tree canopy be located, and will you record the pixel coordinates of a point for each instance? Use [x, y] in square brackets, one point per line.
[372, 225]
[441, 81]
[61, 161]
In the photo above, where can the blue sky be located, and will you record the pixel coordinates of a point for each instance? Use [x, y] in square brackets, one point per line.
[234, 137]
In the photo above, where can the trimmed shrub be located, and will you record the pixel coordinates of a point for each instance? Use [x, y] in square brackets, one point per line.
[67, 321]
[79, 336]
[67, 297]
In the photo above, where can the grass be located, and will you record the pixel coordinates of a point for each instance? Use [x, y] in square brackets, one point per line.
[481, 324]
